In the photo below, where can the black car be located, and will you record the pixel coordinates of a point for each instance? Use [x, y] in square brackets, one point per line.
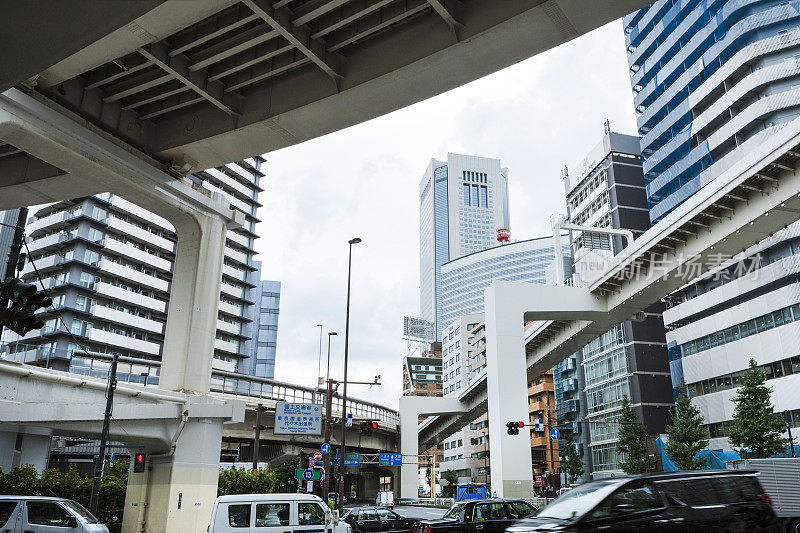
[382, 519]
[478, 516]
[681, 502]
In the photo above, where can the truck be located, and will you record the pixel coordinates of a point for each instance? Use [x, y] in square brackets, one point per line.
[385, 499]
[471, 491]
[780, 478]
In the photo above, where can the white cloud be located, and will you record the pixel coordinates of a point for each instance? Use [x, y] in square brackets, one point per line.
[536, 116]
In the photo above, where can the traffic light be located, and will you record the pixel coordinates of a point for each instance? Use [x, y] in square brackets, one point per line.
[374, 425]
[138, 462]
[366, 428]
[513, 427]
[25, 300]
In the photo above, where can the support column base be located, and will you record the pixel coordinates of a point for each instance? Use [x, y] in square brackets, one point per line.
[176, 493]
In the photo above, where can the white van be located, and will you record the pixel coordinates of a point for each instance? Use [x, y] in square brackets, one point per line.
[274, 513]
[40, 514]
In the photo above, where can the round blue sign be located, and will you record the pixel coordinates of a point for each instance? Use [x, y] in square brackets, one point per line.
[308, 475]
[325, 448]
[555, 434]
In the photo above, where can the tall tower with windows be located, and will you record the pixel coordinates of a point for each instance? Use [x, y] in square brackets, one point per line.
[463, 203]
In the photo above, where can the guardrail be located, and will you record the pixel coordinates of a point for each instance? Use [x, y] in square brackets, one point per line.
[147, 372]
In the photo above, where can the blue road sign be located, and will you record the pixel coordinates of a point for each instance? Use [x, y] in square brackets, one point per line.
[555, 434]
[308, 475]
[325, 448]
[390, 459]
[352, 459]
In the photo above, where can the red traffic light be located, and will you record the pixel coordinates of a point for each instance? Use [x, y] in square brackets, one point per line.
[138, 462]
[374, 425]
[521, 424]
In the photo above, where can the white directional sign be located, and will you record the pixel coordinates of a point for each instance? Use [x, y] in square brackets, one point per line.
[298, 418]
[538, 425]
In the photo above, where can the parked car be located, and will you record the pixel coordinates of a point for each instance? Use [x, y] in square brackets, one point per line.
[39, 514]
[478, 516]
[375, 518]
[274, 513]
[681, 502]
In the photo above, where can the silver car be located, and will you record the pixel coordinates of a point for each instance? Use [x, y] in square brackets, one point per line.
[40, 514]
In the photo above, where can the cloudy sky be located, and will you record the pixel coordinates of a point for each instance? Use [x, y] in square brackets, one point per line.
[536, 117]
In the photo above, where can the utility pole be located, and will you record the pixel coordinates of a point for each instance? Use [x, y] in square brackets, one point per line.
[788, 417]
[13, 255]
[326, 456]
[99, 462]
[550, 440]
[257, 439]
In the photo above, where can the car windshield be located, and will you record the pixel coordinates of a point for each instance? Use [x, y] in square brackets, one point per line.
[454, 511]
[81, 510]
[578, 501]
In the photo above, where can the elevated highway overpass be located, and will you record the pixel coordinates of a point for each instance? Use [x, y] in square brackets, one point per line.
[131, 97]
[746, 202]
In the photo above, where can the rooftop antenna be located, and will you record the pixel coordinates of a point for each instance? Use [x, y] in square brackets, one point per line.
[607, 127]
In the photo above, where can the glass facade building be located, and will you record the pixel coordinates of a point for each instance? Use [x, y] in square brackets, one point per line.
[606, 189]
[710, 79]
[463, 202]
[464, 279]
[265, 329]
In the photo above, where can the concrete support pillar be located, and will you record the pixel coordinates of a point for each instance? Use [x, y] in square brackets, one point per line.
[194, 302]
[24, 446]
[507, 388]
[411, 407]
[177, 492]
[409, 447]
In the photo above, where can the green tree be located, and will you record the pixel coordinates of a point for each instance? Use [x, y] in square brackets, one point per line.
[284, 475]
[451, 476]
[756, 430]
[632, 441]
[244, 481]
[571, 462]
[686, 434]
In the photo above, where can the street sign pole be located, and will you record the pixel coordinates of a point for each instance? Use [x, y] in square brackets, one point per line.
[327, 454]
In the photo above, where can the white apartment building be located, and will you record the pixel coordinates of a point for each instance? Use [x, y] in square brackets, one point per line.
[108, 264]
[749, 307]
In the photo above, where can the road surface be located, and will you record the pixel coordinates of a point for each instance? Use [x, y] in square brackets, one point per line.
[416, 511]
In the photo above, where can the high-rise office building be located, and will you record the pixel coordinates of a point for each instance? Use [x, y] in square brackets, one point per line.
[606, 189]
[463, 202]
[108, 264]
[466, 278]
[711, 80]
[264, 328]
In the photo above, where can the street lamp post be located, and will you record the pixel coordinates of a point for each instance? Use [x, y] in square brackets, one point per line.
[328, 372]
[344, 392]
[319, 358]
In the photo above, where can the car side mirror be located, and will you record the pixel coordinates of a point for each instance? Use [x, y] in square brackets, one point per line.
[72, 522]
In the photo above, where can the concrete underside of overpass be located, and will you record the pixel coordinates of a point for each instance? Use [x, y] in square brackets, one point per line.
[188, 89]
